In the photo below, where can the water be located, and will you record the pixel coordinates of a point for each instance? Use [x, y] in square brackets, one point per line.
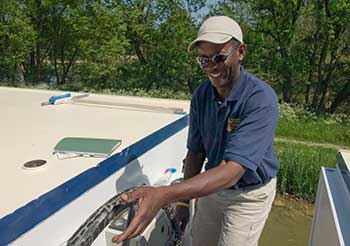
[289, 224]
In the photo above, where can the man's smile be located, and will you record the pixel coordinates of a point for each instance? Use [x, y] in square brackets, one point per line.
[214, 75]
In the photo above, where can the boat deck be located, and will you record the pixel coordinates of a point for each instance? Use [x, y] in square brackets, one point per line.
[29, 131]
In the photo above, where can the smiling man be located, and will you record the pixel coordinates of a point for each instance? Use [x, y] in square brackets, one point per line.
[232, 123]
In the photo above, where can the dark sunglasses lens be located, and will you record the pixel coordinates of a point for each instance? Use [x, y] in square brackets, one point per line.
[219, 58]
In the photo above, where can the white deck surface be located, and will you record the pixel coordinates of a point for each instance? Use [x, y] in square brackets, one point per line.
[29, 131]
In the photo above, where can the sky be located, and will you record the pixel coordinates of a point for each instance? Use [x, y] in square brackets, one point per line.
[204, 11]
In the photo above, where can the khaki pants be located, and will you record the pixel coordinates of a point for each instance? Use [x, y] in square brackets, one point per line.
[233, 217]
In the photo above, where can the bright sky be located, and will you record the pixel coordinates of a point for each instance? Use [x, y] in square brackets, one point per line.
[204, 11]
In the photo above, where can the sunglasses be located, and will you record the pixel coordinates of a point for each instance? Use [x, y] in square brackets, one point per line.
[203, 61]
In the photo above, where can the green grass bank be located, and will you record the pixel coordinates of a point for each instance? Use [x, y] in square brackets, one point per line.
[300, 168]
[300, 124]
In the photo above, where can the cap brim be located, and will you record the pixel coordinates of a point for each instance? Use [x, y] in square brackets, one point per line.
[216, 38]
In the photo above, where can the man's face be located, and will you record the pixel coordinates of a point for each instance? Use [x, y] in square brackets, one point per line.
[222, 74]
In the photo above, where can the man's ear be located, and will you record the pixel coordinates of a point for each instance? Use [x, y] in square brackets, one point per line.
[242, 51]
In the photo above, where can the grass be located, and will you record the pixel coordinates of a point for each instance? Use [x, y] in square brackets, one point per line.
[300, 168]
[321, 132]
[300, 124]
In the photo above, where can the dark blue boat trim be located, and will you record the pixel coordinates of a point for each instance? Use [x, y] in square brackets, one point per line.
[25, 218]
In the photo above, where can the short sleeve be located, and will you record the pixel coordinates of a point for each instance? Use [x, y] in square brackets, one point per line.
[249, 142]
[194, 139]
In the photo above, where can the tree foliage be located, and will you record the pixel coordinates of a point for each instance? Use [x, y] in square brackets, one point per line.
[299, 47]
[17, 38]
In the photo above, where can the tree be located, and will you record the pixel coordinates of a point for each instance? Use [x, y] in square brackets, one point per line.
[332, 53]
[16, 40]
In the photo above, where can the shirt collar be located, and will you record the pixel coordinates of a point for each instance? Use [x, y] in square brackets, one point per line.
[236, 90]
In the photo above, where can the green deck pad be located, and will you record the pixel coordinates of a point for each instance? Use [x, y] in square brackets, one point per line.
[87, 146]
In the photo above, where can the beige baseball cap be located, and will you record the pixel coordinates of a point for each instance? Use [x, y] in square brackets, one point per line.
[218, 30]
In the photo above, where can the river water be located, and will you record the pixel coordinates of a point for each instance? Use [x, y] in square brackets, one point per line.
[289, 224]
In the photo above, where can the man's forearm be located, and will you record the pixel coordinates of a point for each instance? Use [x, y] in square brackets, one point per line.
[213, 180]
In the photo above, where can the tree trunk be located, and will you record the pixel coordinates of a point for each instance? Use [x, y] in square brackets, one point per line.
[63, 66]
[20, 73]
[37, 64]
[287, 77]
[55, 65]
[326, 83]
[342, 96]
[320, 80]
[137, 46]
[287, 87]
[71, 61]
[311, 72]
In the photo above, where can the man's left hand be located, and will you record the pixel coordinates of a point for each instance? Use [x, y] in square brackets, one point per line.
[150, 201]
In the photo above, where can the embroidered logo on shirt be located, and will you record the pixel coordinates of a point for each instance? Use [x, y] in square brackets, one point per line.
[232, 124]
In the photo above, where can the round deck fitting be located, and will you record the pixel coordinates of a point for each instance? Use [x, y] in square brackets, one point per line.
[34, 164]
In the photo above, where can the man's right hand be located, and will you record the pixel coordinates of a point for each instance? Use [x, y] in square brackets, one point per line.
[182, 215]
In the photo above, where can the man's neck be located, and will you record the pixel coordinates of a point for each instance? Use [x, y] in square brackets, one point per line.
[224, 92]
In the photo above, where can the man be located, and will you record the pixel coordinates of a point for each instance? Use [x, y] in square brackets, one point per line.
[232, 123]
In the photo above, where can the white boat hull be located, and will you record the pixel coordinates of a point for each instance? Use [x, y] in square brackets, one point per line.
[55, 216]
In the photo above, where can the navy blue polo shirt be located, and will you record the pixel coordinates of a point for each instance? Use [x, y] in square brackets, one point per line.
[241, 128]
